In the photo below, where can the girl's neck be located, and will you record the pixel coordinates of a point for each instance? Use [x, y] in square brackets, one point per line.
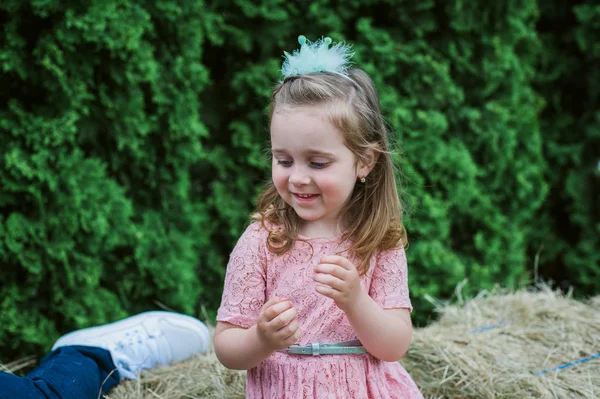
[321, 230]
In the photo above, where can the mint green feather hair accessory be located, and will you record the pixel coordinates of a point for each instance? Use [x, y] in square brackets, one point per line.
[317, 57]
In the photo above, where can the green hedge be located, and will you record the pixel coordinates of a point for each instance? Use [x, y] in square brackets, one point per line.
[133, 136]
[106, 168]
[568, 225]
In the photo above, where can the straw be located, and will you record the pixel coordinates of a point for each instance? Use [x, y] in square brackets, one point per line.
[535, 343]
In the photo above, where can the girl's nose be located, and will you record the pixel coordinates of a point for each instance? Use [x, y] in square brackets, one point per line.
[298, 177]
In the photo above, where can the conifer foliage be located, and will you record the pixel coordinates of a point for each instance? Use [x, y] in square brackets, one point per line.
[133, 136]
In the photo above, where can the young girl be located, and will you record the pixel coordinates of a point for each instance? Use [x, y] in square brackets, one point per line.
[316, 302]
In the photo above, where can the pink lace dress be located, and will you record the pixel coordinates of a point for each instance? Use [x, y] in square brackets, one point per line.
[254, 274]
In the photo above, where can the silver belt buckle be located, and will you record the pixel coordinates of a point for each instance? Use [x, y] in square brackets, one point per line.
[316, 349]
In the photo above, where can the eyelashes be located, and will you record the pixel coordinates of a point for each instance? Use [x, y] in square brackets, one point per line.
[315, 165]
[319, 165]
[284, 163]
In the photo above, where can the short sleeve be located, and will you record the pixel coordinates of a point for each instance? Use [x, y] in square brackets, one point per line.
[389, 283]
[245, 279]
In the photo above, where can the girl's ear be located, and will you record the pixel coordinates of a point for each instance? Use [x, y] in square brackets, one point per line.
[366, 164]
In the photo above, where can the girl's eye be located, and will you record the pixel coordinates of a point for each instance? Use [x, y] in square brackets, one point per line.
[319, 165]
[283, 162]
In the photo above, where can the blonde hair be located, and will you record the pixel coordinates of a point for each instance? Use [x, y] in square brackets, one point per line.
[373, 212]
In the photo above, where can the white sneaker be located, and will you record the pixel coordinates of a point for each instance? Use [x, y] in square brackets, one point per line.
[144, 340]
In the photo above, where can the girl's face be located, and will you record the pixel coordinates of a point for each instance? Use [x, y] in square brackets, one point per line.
[313, 170]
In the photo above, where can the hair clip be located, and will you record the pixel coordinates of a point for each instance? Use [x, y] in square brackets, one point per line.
[317, 57]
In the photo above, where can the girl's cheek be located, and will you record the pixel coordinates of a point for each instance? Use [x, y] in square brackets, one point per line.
[334, 186]
[278, 178]
[280, 181]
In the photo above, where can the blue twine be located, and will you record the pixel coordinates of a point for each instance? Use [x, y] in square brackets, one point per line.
[562, 366]
[486, 328]
[569, 364]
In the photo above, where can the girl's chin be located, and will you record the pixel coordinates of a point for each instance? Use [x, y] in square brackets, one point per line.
[307, 218]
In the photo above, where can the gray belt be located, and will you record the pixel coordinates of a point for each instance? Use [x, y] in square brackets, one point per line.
[353, 347]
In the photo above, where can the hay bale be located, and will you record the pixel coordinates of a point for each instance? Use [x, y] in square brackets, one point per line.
[455, 357]
[199, 377]
[459, 356]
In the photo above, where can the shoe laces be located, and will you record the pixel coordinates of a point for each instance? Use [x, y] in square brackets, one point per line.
[136, 350]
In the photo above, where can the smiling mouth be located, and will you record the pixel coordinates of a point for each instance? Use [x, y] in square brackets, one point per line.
[305, 196]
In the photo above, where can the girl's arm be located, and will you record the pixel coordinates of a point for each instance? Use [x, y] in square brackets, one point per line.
[239, 348]
[385, 333]
[242, 349]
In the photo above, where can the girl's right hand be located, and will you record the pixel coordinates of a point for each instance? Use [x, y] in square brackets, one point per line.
[277, 326]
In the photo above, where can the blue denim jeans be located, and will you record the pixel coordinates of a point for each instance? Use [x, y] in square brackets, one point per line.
[70, 372]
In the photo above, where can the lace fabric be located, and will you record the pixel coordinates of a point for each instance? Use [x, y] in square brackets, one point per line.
[254, 274]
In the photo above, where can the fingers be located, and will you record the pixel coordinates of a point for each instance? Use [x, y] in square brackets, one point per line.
[338, 260]
[283, 319]
[334, 271]
[330, 281]
[290, 334]
[277, 323]
[331, 269]
[272, 302]
[277, 313]
[337, 278]
[287, 335]
[274, 307]
[327, 291]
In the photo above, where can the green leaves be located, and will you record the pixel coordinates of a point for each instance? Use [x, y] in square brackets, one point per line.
[100, 131]
[133, 137]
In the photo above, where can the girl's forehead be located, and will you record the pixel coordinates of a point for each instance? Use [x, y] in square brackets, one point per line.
[307, 128]
[309, 112]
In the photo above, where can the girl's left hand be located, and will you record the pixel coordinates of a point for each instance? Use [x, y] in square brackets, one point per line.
[338, 279]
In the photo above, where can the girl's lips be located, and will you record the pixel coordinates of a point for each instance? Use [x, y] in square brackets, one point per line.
[310, 198]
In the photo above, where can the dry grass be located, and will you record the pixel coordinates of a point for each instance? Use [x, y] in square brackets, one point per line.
[200, 377]
[543, 329]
